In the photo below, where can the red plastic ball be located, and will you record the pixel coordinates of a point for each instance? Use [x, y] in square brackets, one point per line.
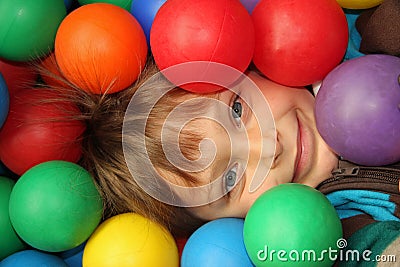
[299, 42]
[101, 48]
[37, 131]
[51, 74]
[202, 30]
[17, 75]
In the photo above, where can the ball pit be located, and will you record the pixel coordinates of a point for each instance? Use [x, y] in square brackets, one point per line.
[357, 110]
[129, 239]
[101, 48]
[32, 258]
[82, 62]
[55, 206]
[298, 51]
[211, 31]
[36, 131]
[9, 242]
[217, 243]
[28, 27]
[291, 218]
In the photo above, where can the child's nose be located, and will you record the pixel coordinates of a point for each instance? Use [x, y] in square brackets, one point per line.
[278, 146]
[270, 147]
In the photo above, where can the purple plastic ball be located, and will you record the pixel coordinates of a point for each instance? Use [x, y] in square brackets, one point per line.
[358, 110]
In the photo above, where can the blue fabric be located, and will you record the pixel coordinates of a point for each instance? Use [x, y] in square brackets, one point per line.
[353, 202]
[354, 37]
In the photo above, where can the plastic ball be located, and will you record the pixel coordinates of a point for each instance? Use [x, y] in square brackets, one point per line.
[36, 131]
[145, 11]
[125, 4]
[55, 206]
[353, 47]
[357, 110]
[129, 239]
[101, 48]
[217, 243]
[4, 100]
[250, 4]
[359, 4]
[9, 242]
[288, 220]
[300, 45]
[202, 30]
[52, 75]
[17, 75]
[32, 258]
[28, 27]
[73, 257]
[68, 4]
[180, 243]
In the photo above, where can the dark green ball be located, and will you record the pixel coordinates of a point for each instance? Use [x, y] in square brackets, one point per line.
[9, 241]
[125, 4]
[28, 27]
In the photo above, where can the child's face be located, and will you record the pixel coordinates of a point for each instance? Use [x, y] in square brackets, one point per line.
[300, 155]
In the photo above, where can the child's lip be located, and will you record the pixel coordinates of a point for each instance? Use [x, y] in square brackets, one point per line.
[302, 150]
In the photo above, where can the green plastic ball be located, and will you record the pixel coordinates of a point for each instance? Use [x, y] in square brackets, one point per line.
[28, 27]
[9, 240]
[55, 206]
[292, 225]
[125, 4]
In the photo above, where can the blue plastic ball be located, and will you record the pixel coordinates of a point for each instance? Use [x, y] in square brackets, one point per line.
[249, 4]
[4, 100]
[32, 258]
[68, 4]
[73, 257]
[145, 11]
[217, 243]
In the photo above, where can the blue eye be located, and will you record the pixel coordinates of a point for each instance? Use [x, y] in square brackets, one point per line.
[236, 108]
[230, 179]
[237, 111]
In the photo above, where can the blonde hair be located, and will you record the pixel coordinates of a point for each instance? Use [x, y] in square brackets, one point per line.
[103, 154]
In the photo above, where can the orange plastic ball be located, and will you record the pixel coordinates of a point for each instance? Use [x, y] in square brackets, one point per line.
[101, 48]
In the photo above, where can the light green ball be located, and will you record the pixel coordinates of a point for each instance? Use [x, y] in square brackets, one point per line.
[125, 4]
[292, 225]
[55, 206]
[9, 240]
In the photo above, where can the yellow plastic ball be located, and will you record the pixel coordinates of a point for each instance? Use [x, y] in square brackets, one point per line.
[130, 240]
[359, 4]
